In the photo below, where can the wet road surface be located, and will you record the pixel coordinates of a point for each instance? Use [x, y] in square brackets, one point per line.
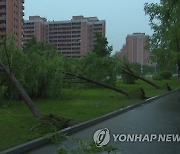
[162, 116]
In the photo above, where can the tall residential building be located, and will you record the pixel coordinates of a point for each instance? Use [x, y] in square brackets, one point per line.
[11, 19]
[135, 49]
[34, 27]
[73, 38]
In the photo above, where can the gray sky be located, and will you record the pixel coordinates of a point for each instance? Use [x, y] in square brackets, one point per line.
[122, 17]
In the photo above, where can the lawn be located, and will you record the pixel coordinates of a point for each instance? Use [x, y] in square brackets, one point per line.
[16, 122]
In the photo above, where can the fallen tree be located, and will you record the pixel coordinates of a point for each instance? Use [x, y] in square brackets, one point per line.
[31, 105]
[141, 90]
[141, 78]
[100, 84]
[128, 71]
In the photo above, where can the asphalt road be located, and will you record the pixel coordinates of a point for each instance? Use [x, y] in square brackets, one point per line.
[162, 116]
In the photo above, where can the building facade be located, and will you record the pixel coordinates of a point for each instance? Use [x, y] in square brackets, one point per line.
[34, 27]
[135, 49]
[11, 20]
[73, 38]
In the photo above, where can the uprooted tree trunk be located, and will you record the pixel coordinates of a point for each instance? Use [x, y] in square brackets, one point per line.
[168, 88]
[31, 105]
[100, 84]
[128, 71]
[142, 94]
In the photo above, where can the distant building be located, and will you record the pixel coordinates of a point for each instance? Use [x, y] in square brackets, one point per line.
[73, 38]
[135, 49]
[34, 27]
[11, 19]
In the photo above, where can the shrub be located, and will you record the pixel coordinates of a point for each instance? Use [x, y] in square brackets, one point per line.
[157, 77]
[165, 75]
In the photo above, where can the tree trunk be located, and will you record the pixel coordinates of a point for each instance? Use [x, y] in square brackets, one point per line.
[31, 105]
[178, 50]
[101, 84]
[178, 70]
[141, 78]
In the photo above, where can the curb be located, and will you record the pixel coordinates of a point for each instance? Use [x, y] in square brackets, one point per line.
[70, 130]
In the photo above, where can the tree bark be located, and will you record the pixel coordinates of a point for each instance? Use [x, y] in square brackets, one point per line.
[141, 78]
[178, 50]
[100, 84]
[178, 70]
[31, 105]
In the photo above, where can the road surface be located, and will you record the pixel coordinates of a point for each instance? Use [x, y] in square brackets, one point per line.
[162, 116]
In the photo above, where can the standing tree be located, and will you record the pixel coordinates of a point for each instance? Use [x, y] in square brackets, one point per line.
[101, 47]
[165, 21]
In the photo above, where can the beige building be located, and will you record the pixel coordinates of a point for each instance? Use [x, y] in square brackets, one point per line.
[11, 19]
[135, 49]
[73, 38]
[34, 27]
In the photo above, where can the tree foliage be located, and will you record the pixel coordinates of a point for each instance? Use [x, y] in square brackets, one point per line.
[165, 42]
[126, 78]
[101, 47]
[165, 75]
[146, 68]
[104, 69]
[98, 65]
[38, 68]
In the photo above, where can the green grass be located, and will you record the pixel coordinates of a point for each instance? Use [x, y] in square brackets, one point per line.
[16, 121]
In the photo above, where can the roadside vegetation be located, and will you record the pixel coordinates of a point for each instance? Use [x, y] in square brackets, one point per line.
[78, 105]
[67, 91]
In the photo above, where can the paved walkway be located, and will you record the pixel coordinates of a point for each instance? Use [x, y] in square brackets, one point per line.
[161, 116]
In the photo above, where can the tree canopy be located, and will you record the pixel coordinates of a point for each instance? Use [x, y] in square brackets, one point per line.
[165, 21]
[39, 69]
[101, 47]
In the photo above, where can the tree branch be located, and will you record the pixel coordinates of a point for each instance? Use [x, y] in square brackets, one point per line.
[100, 84]
[1, 69]
[141, 78]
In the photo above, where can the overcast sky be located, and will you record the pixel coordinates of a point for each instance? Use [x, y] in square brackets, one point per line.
[122, 17]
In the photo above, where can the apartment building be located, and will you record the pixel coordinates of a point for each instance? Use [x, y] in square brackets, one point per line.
[135, 49]
[34, 27]
[73, 38]
[11, 20]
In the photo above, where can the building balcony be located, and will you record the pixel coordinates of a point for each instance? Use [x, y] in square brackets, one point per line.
[28, 34]
[2, 33]
[22, 7]
[2, 10]
[63, 45]
[3, 18]
[2, 25]
[2, 3]
[23, 1]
